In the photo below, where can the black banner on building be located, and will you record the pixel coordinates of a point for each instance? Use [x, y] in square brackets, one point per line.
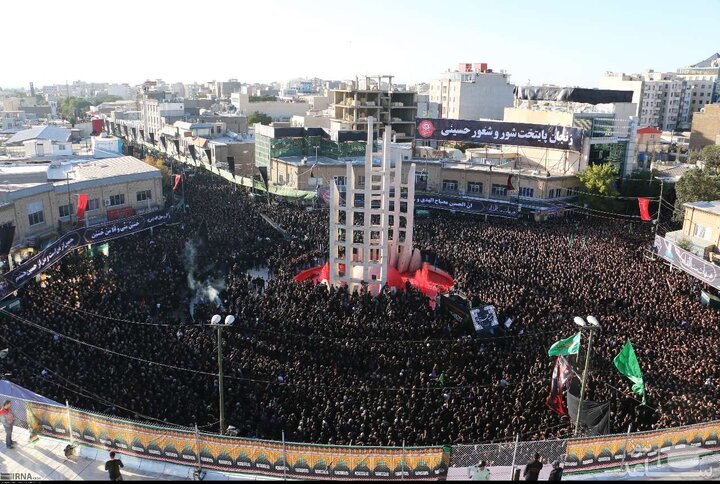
[500, 133]
[45, 259]
[467, 205]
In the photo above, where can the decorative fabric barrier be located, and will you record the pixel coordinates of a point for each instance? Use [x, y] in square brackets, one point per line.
[184, 446]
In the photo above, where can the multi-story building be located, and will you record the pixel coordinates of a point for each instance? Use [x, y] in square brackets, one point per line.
[606, 116]
[121, 90]
[376, 98]
[703, 81]
[156, 111]
[705, 127]
[282, 140]
[660, 97]
[472, 92]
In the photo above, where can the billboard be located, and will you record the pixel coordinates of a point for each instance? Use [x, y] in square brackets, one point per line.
[500, 133]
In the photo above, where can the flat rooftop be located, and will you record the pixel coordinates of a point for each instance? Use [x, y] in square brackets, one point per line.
[22, 178]
[712, 207]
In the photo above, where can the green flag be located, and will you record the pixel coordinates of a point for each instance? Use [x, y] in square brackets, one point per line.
[564, 347]
[627, 364]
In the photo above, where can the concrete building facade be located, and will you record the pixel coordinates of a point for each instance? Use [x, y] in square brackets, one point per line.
[660, 98]
[41, 200]
[472, 92]
[705, 127]
[353, 107]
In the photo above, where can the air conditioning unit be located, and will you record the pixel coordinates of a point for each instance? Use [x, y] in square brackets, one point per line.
[107, 202]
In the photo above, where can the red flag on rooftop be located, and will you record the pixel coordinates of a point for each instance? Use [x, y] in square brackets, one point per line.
[644, 209]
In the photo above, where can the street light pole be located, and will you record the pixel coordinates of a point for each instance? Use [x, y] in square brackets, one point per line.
[221, 380]
[662, 186]
[586, 372]
[215, 321]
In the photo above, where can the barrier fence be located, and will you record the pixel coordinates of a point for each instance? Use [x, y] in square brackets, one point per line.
[191, 447]
[195, 448]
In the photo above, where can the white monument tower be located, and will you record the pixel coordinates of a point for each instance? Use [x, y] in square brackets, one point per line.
[371, 223]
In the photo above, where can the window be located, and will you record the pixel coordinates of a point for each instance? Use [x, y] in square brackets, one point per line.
[117, 200]
[361, 181]
[61, 147]
[499, 190]
[144, 195]
[475, 188]
[340, 180]
[527, 192]
[703, 232]
[35, 213]
[65, 211]
[450, 185]
[93, 204]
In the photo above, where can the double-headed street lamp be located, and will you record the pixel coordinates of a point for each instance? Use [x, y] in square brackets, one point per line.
[217, 322]
[591, 325]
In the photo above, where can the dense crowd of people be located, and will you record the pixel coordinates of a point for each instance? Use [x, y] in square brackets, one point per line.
[331, 367]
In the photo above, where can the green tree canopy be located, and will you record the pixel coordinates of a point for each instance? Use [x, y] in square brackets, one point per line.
[598, 181]
[711, 156]
[695, 186]
[73, 108]
[258, 117]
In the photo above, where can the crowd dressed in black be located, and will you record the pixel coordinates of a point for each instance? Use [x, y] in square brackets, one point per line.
[326, 366]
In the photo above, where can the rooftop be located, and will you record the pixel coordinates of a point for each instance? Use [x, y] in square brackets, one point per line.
[712, 207]
[712, 61]
[22, 179]
[52, 133]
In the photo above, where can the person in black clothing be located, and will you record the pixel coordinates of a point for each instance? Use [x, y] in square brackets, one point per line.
[532, 470]
[556, 473]
[113, 467]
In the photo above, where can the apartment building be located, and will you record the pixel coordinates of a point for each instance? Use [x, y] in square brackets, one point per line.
[472, 92]
[660, 97]
[703, 81]
[375, 97]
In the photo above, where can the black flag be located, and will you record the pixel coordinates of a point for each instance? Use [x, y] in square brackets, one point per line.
[7, 234]
[264, 175]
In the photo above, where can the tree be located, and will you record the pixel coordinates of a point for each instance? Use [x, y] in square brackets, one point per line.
[695, 186]
[711, 156]
[73, 108]
[258, 117]
[598, 181]
[694, 157]
[105, 99]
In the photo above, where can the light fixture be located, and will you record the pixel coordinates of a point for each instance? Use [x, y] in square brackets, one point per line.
[593, 320]
[580, 322]
[229, 320]
[216, 319]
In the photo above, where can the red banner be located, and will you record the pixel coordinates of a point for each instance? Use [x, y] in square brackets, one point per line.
[562, 374]
[644, 209]
[119, 213]
[178, 178]
[82, 206]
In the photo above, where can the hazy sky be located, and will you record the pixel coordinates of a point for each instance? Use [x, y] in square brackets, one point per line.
[565, 42]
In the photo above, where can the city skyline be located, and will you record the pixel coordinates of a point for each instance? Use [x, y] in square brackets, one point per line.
[279, 40]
